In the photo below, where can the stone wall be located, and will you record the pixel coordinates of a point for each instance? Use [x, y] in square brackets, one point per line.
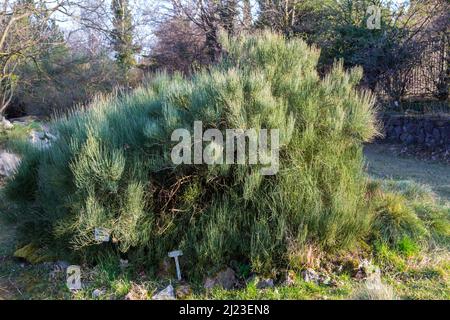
[430, 131]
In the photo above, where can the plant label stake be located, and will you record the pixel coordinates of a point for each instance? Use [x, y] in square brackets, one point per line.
[101, 234]
[175, 255]
[73, 277]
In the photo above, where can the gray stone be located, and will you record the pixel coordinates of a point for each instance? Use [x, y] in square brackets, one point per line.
[436, 134]
[421, 137]
[410, 139]
[309, 275]
[61, 264]
[209, 283]
[97, 293]
[290, 278]
[411, 127]
[8, 163]
[123, 263]
[265, 283]
[429, 140]
[428, 126]
[397, 122]
[404, 137]
[445, 133]
[166, 294]
[6, 124]
[325, 279]
[225, 279]
[183, 291]
[42, 139]
[398, 131]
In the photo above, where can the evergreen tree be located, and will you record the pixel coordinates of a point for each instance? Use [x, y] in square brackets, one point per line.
[122, 37]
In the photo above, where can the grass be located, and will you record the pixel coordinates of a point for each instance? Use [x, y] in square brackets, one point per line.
[381, 163]
[408, 269]
[426, 107]
[19, 132]
[408, 272]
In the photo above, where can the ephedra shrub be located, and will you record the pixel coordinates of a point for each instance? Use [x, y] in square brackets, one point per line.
[111, 167]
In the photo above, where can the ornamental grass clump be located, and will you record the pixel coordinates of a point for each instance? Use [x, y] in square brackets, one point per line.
[111, 166]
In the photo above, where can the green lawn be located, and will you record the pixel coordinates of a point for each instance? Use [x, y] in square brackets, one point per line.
[384, 164]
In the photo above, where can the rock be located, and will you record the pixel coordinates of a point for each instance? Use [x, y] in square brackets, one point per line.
[166, 269]
[123, 263]
[209, 283]
[264, 284]
[366, 270]
[6, 124]
[8, 163]
[226, 279]
[32, 254]
[398, 132]
[445, 133]
[183, 291]
[436, 134]
[42, 139]
[58, 269]
[334, 283]
[97, 293]
[165, 294]
[60, 264]
[404, 136]
[24, 121]
[411, 127]
[309, 275]
[421, 136]
[324, 279]
[290, 278]
[428, 126]
[137, 292]
[410, 139]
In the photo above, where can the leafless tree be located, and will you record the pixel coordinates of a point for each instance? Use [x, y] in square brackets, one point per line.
[24, 32]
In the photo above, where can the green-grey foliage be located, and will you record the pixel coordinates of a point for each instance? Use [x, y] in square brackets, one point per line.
[111, 166]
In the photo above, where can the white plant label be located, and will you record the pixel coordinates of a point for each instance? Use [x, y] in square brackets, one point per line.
[101, 235]
[374, 19]
[175, 255]
[73, 277]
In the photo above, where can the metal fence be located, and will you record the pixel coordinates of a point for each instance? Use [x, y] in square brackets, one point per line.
[428, 78]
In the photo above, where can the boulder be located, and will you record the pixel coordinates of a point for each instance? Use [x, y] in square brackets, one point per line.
[123, 264]
[97, 293]
[137, 292]
[183, 291]
[5, 124]
[32, 254]
[265, 283]
[42, 139]
[225, 279]
[436, 134]
[398, 132]
[411, 127]
[290, 278]
[209, 283]
[166, 294]
[309, 275]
